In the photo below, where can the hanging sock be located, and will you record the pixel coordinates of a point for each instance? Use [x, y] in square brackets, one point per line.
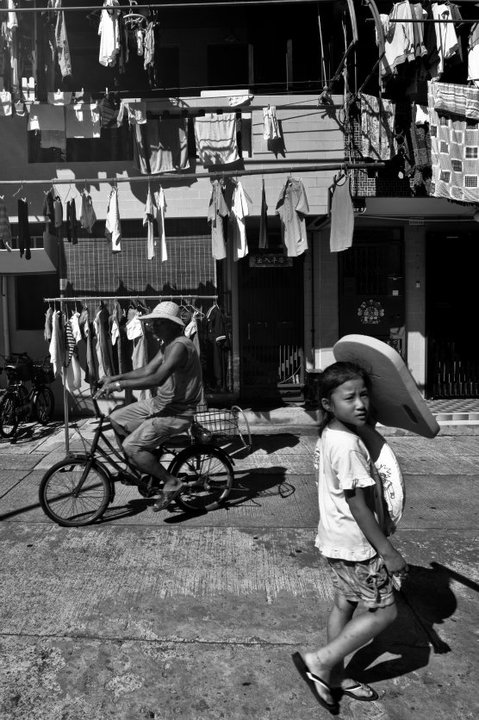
[263, 221]
[112, 225]
[342, 216]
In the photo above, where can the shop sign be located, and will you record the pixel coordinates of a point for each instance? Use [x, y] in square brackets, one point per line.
[267, 260]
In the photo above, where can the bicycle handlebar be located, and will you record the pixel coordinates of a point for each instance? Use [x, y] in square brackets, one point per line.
[98, 412]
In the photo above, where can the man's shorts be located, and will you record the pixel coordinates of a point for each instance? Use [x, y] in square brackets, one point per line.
[366, 581]
[148, 425]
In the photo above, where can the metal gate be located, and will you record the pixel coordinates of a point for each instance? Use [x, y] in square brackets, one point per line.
[271, 329]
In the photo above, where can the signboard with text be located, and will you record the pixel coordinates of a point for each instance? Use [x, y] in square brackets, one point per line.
[270, 260]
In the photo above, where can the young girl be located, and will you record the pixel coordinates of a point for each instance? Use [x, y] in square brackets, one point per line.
[360, 556]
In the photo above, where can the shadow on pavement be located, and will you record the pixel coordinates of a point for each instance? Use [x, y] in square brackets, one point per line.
[425, 600]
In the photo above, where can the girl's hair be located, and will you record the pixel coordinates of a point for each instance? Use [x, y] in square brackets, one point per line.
[334, 376]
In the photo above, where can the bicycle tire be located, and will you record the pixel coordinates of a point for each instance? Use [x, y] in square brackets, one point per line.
[207, 474]
[64, 503]
[43, 405]
[9, 419]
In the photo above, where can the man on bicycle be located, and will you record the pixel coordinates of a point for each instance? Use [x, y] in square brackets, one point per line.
[175, 372]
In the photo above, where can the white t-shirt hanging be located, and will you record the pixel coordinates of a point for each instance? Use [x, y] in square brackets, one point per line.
[112, 224]
[109, 32]
[239, 210]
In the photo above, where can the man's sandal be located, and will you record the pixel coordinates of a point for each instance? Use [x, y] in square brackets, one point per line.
[166, 498]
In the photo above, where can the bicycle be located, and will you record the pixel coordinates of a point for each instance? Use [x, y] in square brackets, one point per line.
[77, 490]
[20, 403]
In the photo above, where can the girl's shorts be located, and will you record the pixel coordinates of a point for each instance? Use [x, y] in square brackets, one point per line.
[366, 581]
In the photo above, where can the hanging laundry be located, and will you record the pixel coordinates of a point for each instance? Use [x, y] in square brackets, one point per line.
[75, 326]
[71, 373]
[109, 107]
[5, 229]
[109, 32]
[88, 215]
[58, 212]
[91, 370]
[112, 224]
[215, 137]
[454, 143]
[451, 99]
[82, 120]
[71, 224]
[134, 111]
[24, 241]
[49, 211]
[447, 42]
[50, 121]
[10, 36]
[47, 330]
[151, 52]
[217, 210]
[263, 221]
[402, 43]
[104, 345]
[292, 208]
[58, 51]
[57, 344]
[271, 129]
[161, 145]
[239, 210]
[59, 97]
[5, 103]
[342, 216]
[155, 209]
[377, 127]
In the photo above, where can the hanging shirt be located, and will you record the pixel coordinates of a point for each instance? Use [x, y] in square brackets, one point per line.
[473, 55]
[109, 32]
[215, 137]
[161, 145]
[239, 210]
[72, 235]
[342, 217]
[263, 221]
[446, 37]
[88, 216]
[292, 208]
[149, 218]
[271, 129]
[5, 229]
[217, 210]
[112, 224]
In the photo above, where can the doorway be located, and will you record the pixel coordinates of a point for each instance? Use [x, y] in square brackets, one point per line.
[271, 332]
[451, 299]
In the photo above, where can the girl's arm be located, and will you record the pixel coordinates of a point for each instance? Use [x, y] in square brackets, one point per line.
[368, 524]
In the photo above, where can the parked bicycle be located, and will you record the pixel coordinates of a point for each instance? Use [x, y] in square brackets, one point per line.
[21, 404]
[77, 490]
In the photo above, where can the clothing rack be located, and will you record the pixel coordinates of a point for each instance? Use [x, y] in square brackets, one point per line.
[337, 165]
[62, 300]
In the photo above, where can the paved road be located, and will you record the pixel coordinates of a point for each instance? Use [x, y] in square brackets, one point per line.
[165, 616]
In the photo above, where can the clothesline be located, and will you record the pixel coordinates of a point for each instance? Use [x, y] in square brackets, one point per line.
[100, 298]
[130, 8]
[224, 173]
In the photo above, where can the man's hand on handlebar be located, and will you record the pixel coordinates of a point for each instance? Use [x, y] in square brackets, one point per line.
[107, 386]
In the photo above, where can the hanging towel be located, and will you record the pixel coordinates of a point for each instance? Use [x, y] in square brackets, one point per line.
[5, 229]
[292, 208]
[46, 117]
[342, 216]
[88, 216]
[239, 210]
[215, 137]
[82, 120]
[112, 224]
[109, 32]
[263, 221]
[217, 210]
[164, 146]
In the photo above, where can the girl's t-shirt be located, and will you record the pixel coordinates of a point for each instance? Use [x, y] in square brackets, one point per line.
[345, 464]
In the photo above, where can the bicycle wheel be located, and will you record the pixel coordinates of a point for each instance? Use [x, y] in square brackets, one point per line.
[207, 474]
[43, 405]
[9, 418]
[75, 491]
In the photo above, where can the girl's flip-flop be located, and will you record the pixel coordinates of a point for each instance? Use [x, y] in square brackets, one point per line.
[313, 681]
[352, 692]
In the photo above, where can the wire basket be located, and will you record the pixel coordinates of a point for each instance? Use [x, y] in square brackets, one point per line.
[222, 424]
